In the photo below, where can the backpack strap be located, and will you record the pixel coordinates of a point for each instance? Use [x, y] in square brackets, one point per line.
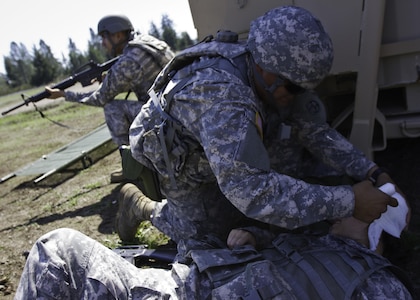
[287, 250]
[162, 137]
[340, 270]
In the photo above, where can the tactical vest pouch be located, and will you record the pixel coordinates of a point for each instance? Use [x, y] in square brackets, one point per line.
[222, 265]
[259, 281]
[236, 273]
[156, 48]
[134, 170]
[167, 151]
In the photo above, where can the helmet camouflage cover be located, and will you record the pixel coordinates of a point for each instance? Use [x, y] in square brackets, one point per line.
[291, 42]
[114, 23]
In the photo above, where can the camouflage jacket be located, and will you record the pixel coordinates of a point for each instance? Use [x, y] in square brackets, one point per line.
[231, 158]
[142, 60]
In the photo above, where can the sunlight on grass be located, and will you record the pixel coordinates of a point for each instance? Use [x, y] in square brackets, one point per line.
[48, 207]
[149, 235]
[93, 186]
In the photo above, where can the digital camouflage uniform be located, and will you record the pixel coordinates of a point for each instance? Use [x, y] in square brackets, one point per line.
[143, 58]
[233, 157]
[228, 166]
[65, 264]
[236, 157]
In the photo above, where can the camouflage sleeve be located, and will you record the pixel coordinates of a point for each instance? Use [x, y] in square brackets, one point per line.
[117, 80]
[325, 142]
[336, 151]
[240, 162]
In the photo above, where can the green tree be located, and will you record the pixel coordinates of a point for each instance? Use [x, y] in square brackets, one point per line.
[184, 41]
[18, 65]
[95, 51]
[169, 35]
[168, 32]
[154, 31]
[76, 58]
[5, 87]
[47, 67]
[41, 67]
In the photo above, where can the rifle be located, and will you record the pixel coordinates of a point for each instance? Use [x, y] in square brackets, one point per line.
[85, 75]
[140, 256]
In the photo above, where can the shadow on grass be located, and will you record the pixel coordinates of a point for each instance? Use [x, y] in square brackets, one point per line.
[106, 208]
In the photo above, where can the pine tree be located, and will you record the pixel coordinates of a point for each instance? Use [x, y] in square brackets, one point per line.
[47, 67]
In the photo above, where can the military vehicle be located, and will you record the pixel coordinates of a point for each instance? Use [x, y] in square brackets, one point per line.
[373, 91]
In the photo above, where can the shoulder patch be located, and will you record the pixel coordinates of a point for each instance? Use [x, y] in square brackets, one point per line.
[313, 107]
[309, 107]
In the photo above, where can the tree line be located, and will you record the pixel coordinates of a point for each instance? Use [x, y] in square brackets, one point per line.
[25, 69]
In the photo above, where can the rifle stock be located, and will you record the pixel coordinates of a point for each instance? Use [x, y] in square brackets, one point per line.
[85, 76]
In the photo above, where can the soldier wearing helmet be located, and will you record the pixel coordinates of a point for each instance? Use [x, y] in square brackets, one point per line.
[141, 58]
[253, 137]
[116, 31]
[234, 132]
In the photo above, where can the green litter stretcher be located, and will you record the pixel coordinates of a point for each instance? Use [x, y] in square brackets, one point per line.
[60, 159]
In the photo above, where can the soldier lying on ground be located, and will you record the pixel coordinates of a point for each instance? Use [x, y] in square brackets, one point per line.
[65, 264]
[239, 150]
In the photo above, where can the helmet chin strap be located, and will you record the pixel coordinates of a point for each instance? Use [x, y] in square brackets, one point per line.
[116, 45]
[269, 89]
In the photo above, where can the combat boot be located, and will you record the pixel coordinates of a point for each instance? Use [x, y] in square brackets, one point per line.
[133, 208]
[117, 176]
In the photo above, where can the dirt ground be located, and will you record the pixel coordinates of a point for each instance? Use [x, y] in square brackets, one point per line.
[84, 199]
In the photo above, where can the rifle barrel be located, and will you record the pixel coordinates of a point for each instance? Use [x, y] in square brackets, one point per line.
[84, 76]
[13, 108]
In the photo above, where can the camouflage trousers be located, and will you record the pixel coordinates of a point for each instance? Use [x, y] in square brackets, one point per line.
[66, 264]
[119, 114]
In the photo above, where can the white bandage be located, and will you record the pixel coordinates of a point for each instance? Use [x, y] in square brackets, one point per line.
[392, 221]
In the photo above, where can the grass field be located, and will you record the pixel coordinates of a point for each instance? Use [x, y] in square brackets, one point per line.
[83, 199]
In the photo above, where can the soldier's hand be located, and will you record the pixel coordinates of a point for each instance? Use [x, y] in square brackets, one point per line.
[54, 93]
[239, 237]
[370, 202]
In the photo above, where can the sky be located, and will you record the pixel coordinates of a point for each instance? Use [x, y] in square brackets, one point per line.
[55, 21]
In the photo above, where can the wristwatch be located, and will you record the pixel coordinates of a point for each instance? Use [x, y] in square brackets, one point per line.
[374, 176]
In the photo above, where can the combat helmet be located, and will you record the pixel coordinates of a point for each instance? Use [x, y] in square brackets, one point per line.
[114, 23]
[291, 42]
